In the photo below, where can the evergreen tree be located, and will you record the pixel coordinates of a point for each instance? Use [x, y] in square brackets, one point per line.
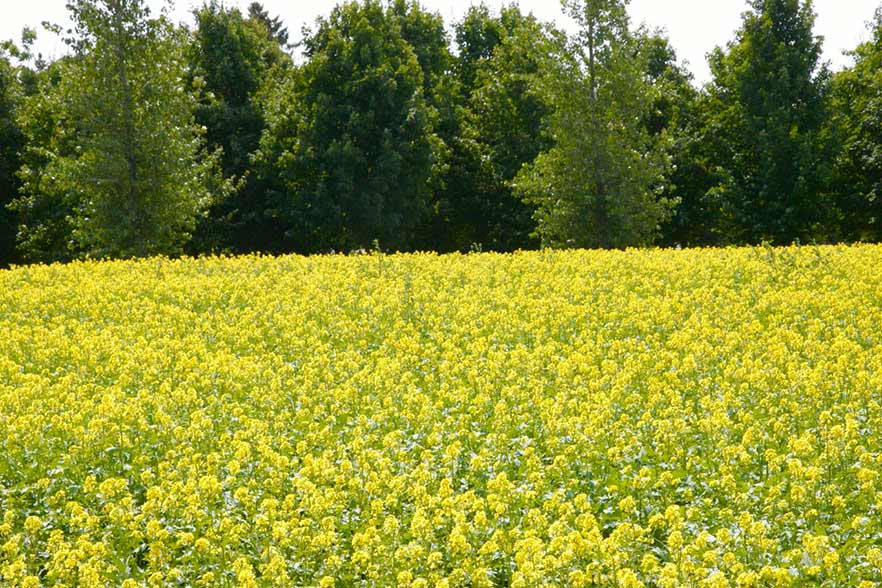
[595, 186]
[272, 25]
[768, 103]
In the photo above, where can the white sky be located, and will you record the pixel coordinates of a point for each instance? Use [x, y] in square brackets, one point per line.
[695, 27]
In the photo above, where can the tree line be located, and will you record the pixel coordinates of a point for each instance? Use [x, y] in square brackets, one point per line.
[392, 131]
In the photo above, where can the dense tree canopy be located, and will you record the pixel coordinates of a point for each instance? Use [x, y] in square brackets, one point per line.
[384, 127]
[236, 61]
[676, 118]
[500, 128]
[45, 205]
[11, 143]
[136, 178]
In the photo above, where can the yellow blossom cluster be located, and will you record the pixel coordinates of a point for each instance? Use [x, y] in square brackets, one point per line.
[633, 419]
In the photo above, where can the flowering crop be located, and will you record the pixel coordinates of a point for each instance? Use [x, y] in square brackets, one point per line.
[704, 418]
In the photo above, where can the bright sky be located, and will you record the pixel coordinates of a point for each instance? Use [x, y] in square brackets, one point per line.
[695, 27]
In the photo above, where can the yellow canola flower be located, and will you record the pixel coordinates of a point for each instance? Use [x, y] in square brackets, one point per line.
[553, 418]
[33, 524]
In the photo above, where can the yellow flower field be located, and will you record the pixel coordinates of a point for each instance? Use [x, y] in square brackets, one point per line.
[704, 418]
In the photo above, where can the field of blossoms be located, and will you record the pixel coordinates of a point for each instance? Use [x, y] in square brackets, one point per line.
[702, 418]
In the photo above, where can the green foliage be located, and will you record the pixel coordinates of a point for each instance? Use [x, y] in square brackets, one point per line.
[126, 158]
[768, 111]
[47, 202]
[677, 119]
[11, 143]
[857, 109]
[350, 150]
[272, 25]
[236, 60]
[149, 139]
[425, 33]
[596, 187]
[479, 34]
[501, 128]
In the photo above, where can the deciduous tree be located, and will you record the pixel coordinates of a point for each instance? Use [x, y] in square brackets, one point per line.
[11, 144]
[350, 150]
[768, 100]
[857, 111]
[677, 120]
[126, 157]
[501, 128]
[596, 187]
[236, 61]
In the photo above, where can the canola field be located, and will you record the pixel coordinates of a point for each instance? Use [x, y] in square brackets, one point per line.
[695, 418]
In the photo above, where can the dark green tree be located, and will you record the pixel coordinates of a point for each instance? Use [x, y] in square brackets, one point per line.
[598, 185]
[236, 60]
[501, 128]
[477, 36]
[47, 202]
[137, 176]
[425, 33]
[676, 118]
[11, 145]
[350, 149]
[768, 103]
[857, 109]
